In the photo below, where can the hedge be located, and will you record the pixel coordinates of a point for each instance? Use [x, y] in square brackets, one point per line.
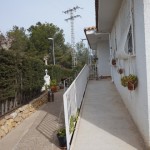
[22, 76]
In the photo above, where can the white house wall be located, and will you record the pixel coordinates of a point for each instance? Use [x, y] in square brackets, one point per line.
[147, 48]
[103, 54]
[136, 101]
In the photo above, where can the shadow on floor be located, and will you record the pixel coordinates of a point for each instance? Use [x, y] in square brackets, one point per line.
[42, 134]
[105, 118]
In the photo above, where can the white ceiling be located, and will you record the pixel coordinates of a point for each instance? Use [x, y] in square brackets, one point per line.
[107, 13]
[94, 38]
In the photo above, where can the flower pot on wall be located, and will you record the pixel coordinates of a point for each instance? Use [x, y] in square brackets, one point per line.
[124, 81]
[120, 71]
[113, 62]
[132, 86]
[132, 82]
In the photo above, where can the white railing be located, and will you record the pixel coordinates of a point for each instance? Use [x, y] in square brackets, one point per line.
[73, 98]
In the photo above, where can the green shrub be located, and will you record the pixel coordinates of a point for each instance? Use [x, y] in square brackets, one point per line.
[124, 81]
[19, 74]
[53, 82]
[57, 72]
[61, 132]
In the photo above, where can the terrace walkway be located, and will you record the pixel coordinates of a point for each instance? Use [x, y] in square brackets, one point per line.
[38, 131]
[105, 123]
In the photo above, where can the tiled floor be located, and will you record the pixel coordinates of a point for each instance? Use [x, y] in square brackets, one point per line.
[104, 123]
[38, 132]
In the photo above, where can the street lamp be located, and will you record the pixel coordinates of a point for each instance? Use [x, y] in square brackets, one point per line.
[53, 49]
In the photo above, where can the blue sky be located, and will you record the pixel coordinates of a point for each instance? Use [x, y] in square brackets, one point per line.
[25, 13]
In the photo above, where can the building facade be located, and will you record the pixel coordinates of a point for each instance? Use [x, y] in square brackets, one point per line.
[123, 34]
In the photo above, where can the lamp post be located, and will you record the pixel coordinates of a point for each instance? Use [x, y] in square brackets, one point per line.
[53, 49]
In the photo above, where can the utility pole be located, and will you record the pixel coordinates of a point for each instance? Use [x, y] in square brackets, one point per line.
[71, 19]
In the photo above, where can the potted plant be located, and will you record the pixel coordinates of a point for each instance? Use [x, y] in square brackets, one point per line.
[124, 81]
[72, 124]
[73, 121]
[61, 135]
[120, 71]
[132, 82]
[53, 85]
[113, 62]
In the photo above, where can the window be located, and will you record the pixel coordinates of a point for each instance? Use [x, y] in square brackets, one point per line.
[129, 47]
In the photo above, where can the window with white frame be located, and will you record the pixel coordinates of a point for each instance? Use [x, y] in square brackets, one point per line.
[129, 46]
[129, 39]
[126, 24]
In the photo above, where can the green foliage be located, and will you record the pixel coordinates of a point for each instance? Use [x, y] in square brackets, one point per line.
[39, 34]
[57, 72]
[53, 82]
[22, 74]
[82, 54]
[61, 132]
[40, 45]
[36, 43]
[132, 78]
[73, 121]
[72, 124]
[22, 67]
[32, 73]
[126, 79]
[19, 74]
[19, 39]
[77, 114]
[8, 74]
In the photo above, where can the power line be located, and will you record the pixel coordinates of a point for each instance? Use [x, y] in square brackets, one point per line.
[71, 19]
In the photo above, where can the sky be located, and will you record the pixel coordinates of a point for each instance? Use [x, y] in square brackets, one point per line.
[24, 13]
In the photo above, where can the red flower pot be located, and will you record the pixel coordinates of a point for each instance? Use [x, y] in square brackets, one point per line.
[113, 62]
[120, 71]
[54, 88]
[132, 86]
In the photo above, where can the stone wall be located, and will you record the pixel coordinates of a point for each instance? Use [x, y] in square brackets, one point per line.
[12, 120]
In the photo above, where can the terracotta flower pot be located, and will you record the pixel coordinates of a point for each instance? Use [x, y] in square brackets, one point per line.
[132, 86]
[120, 71]
[54, 88]
[113, 62]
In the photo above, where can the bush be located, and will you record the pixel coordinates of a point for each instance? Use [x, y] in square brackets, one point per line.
[57, 72]
[61, 132]
[124, 81]
[19, 75]
[8, 74]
